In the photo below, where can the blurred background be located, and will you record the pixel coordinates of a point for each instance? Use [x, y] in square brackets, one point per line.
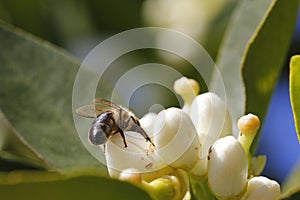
[78, 26]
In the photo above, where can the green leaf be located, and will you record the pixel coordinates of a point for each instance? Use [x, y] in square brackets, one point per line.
[52, 185]
[295, 196]
[243, 26]
[291, 185]
[253, 52]
[36, 81]
[295, 91]
[14, 149]
[265, 55]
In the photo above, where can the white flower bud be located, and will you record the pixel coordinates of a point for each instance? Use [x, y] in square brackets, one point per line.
[176, 139]
[227, 168]
[248, 125]
[211, 119]
[262, 188]
[187, 89]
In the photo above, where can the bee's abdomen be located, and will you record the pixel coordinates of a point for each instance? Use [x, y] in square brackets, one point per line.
[99, 132]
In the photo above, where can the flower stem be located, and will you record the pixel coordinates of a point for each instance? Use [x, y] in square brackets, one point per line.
[200, 188]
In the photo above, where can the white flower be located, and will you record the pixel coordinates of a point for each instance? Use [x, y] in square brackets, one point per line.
[262, 188]
[139, 154]
[211, 119]
[147, 123]
[209, 115]
[176, 139]
[176, 145]
[227, 168]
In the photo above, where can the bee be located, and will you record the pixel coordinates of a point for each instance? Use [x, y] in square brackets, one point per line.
[110, 119]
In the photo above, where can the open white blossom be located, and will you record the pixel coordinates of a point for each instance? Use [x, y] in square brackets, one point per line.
[147, 123]
[139, 154]
[262, 188]
[176, 145]
[227, 168]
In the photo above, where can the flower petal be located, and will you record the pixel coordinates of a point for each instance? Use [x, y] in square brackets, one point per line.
[227, 167]
[176, 139]
[211, 119]
[139, 154]
[262, 188]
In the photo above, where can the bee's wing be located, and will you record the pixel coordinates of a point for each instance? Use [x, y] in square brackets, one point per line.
[87, 111]
[103, 105]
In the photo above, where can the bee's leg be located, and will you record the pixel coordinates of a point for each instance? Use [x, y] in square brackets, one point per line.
[122, 135]
[135, 120]
[140, 129]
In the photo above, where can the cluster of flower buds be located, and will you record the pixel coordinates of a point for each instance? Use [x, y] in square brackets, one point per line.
[194, 145]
